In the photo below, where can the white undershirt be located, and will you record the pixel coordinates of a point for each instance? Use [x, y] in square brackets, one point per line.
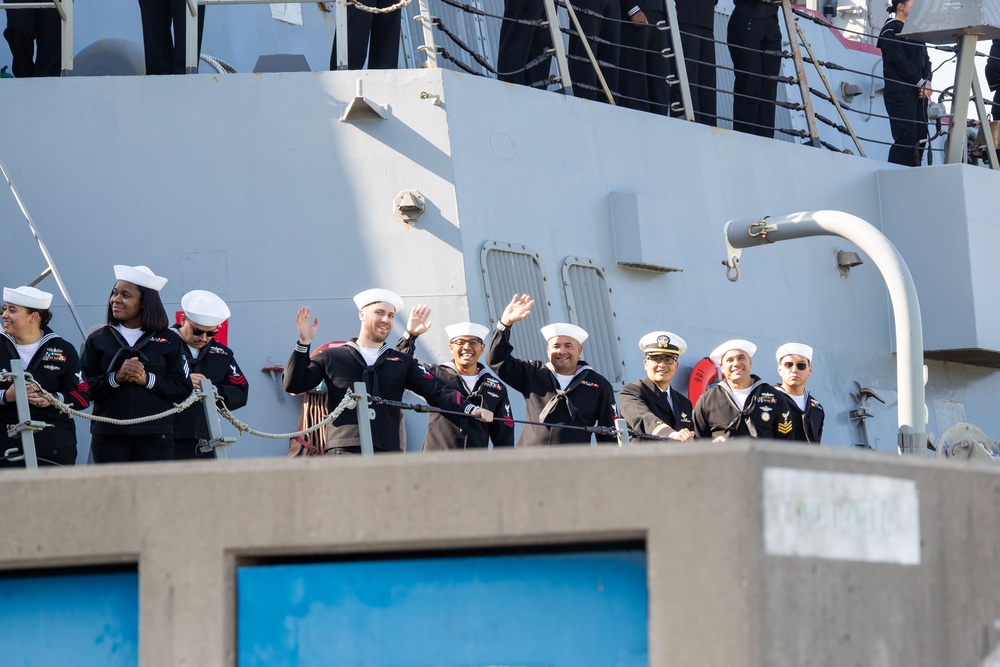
[370, 354]
[564, 380]
[470, 381]
[799, 401]
[26, 352]
[194, 352]
[131, 336]
[741, 396]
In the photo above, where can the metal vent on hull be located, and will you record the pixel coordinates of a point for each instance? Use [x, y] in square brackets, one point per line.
[509, 269]
[589, 301]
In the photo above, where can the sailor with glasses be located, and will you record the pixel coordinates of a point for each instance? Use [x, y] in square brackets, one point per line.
[795, 367]
[203, 314]
[651, 405]
[468, 376]
[742, 405]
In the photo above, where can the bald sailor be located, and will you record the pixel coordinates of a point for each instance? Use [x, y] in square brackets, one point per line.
[795, 367]
[386, 373]
[467, 375]
[741, 405]
[563, 392]
[203, 312]
[651, 405]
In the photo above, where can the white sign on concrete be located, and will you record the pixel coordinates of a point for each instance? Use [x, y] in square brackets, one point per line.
[841, 516]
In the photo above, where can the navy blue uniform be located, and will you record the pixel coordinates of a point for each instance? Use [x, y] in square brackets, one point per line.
[646, 409]
[216, 362]
[586, 401]
[696, 19]
[905, 66]
[166, 366]
[56, 367]
[391, 374]
[28, 28]
[766, 413]
[753, 29]
[807, 425]
[454, 432]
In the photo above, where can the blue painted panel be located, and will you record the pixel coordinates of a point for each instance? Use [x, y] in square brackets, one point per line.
[558, 610]
[81, 620]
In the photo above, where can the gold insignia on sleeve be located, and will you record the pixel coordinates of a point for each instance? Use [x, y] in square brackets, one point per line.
[785, 427]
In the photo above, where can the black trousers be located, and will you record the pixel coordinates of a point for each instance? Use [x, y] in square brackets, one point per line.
[606, 50]
[163, 49]
[127, 448]
[908, 123]
[187, 448]
[520, 44]
[699, 58]
[755, 92]
[642, 81]
[371, 37]
[31, 28]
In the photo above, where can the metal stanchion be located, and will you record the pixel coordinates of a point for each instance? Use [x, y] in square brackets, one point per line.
[24, 427]
[216, 441]
[365, 415]
[622, 427]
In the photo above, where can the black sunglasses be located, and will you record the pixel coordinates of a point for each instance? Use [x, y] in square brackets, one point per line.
[195, 331]
[801, 365]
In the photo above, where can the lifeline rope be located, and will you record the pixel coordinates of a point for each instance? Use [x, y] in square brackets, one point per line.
[381, 10]
[63, 407]
[347, 402]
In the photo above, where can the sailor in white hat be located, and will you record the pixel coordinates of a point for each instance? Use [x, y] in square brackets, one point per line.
[53, 363]
[465, 374]
[741, 405]
[651, 405]
[386, 372]
[136, 367]
[565, 392]
[203, 313]
[795, 367]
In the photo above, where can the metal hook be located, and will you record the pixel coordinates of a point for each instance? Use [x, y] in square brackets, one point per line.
[733, 269]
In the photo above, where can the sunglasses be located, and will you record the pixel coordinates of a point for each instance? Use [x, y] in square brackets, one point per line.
[195, 331]
[801, 365]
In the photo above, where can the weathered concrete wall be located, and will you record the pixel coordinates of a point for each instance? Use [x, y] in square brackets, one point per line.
[718, 593]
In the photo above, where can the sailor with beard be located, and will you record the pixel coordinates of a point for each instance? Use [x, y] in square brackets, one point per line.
[470, 378]
[795, 367]
[563, 392]
[742, 405]
[385, 372]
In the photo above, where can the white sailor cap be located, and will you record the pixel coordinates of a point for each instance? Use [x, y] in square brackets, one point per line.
[375, 295]
[204, 308]
[466, 329]
[794, 348]
[735, 344]
[565, 329]
[29, 297]
[140, 275]
[662, 342]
